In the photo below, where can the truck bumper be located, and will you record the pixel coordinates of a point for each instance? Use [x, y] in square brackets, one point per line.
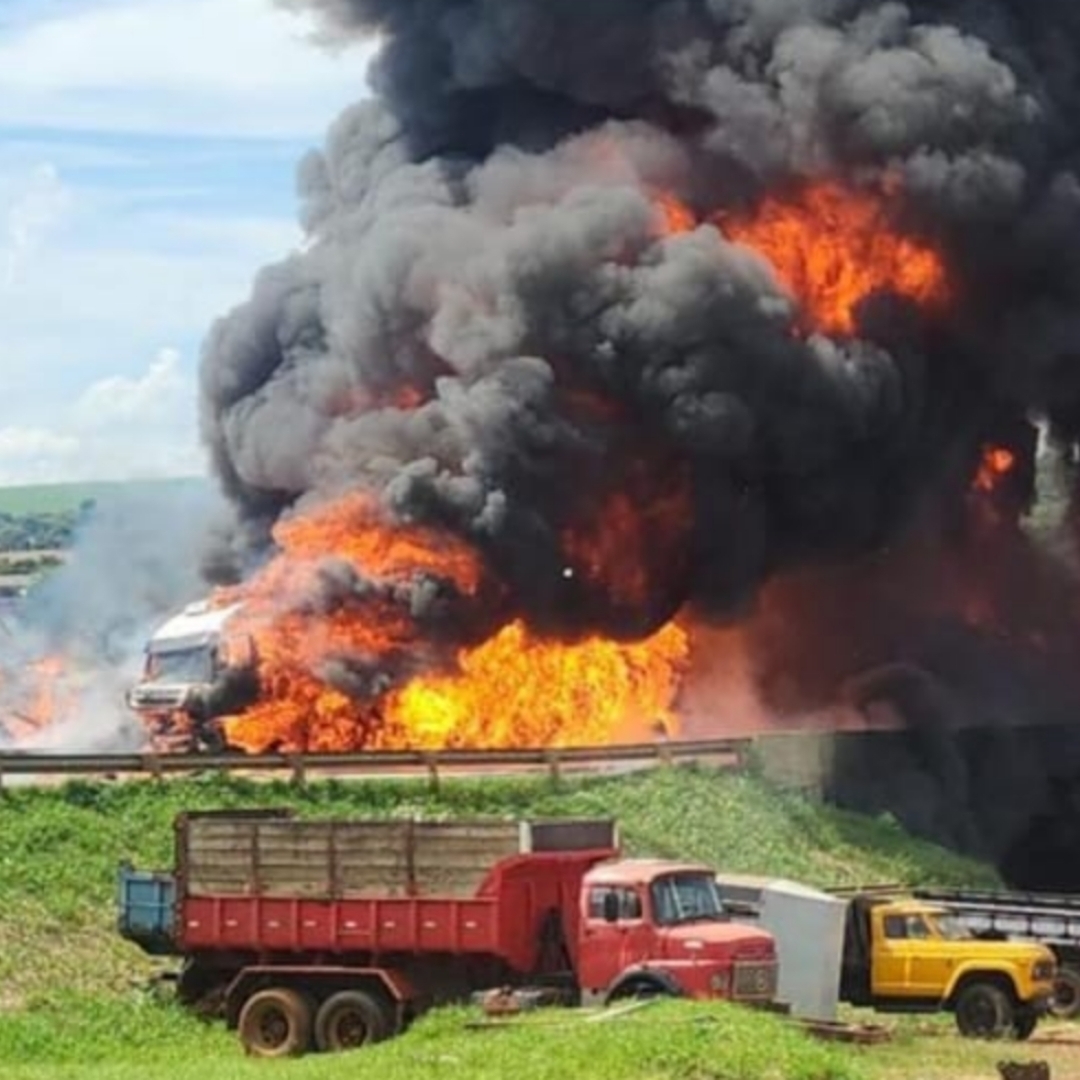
[1041, 1003]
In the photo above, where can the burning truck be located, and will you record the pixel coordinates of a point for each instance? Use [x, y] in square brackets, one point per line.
[192, 665]
[250, 674]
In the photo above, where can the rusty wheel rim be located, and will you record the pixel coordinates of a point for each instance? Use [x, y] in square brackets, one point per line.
[273, 1028]
[350, 1028]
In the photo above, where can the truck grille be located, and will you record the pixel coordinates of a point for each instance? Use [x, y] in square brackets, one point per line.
[143, 698]
[754, 981]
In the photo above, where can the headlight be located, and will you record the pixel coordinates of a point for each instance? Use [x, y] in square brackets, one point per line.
[719, 983]
[1043, 970]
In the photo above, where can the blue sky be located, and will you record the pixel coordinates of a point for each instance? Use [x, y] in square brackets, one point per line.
[147, 170]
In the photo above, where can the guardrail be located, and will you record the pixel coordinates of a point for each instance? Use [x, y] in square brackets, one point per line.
[730, 753]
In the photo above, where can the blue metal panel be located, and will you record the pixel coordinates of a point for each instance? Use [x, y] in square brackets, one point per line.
[146, 909]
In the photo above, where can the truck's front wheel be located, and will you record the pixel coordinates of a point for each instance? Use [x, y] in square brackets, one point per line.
[275, 1023]
[351, 1019]
[984, 1011]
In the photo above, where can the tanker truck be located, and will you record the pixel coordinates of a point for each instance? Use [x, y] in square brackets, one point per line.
[334, 934]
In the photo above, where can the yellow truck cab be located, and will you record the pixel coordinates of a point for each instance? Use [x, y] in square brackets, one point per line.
[905, 955]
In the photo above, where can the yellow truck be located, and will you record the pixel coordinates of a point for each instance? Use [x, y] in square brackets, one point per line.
[893, 953]
[903, 954]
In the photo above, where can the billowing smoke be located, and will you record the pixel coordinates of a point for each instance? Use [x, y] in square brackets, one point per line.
[484, 265]
[491, 327]
[75, 644]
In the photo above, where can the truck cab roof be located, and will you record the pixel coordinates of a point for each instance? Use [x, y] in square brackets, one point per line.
[640, 871]
[198, 624]
[910, 906]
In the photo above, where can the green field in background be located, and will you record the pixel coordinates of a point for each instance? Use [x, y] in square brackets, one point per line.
[58, 498]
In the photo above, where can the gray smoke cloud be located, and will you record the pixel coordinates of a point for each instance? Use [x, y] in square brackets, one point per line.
[484, 249]
[130, 565]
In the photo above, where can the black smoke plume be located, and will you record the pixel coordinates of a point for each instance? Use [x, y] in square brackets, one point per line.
[487, 327]
[483, 246]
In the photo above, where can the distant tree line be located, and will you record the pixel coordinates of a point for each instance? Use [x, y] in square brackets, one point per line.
[49, 530]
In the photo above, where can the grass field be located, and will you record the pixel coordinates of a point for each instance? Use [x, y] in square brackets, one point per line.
[58, 498]
[660, 1042]
[138, 1038]
[70, 998]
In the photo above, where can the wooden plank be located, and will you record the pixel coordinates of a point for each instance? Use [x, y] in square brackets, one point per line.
[288, 856]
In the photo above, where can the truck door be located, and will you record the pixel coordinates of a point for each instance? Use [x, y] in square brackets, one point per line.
[890, 956]
[609, 946]
[931, 962]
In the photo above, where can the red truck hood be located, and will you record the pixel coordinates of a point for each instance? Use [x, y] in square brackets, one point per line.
[715, 940]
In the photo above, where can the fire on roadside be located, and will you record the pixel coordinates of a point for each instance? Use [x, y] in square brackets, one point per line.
[34, 697]
[514, 688]
[344, 661]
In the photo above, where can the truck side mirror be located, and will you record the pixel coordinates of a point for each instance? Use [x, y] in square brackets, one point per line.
[611, 907]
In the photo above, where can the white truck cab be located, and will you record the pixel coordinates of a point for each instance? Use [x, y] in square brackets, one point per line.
[183, 666]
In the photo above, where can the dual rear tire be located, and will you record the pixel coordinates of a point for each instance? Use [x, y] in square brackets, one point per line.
[275, 1023]
[283, 1022]
[350, 1019]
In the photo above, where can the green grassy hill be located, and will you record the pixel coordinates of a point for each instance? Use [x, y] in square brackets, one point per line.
[61, 498]
[67, 982]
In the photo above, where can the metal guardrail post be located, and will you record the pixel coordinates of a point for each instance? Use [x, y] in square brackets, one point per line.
[742, 751]
[431, 762]
[554, 772]
[298, 773]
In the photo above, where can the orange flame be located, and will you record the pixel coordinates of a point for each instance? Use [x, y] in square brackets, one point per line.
[995, 464]
[512, 690]
[37, 697]
[830, 248]
[675, 216]
[518, 690]
[297, 630]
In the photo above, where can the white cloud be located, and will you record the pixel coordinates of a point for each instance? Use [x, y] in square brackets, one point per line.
[118, 428]
[143, 402]
[24, 447]
[80, 309]
[37, 204]
[222, 67]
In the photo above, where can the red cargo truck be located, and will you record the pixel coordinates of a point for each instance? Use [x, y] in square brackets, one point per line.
[333, 934]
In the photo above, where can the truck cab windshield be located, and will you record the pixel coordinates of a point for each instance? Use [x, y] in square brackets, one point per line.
[949, 927]
[180, 666]
[678, 898]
